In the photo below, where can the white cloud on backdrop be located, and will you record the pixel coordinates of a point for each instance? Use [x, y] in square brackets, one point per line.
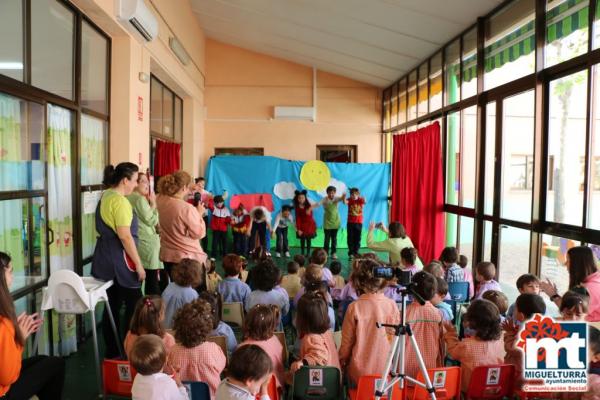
[284, 190]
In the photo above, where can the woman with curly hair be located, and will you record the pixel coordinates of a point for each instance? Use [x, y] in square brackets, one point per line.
[193, 356]
[486, 347]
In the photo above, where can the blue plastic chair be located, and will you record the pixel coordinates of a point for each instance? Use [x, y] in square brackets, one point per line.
[197, 390]
[459, 291]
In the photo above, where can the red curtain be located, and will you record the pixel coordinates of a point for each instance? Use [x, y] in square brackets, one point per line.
[167, 158]
[417, 189]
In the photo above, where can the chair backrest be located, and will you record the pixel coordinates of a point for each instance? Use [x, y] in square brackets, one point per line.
[281, 337]
[197, 390]
[367, 384]
[68, 294]
[221, 341]
[337, 338]
[445, 381]
[459, 291]
[271, 389]
[322, 383]
[233, 313]
[491, 381]
[117, 377]
[454, 306]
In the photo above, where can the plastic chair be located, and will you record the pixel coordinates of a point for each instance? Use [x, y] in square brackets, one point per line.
[118, 377]
[197, 390]
[271, 389]
[69, 293]
[323, 383]
[337, 338]
[491, 382]
[367, 384]
[446, 382]
[221, 341]
[459, 291]
[520, 394]
[233, 313]
[281, 337]
[286, 320]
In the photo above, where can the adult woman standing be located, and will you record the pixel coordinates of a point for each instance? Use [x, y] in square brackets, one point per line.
[143, 202]
[181, 224]
[116, 256]
[22, 379]
[393, 245]
[584, 278]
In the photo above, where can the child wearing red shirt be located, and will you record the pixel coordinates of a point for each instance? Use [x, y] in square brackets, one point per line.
[219, 221]
[240, 225]
[355, 220]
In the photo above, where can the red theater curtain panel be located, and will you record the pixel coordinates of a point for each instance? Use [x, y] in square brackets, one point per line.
[417, 189]
[167, 158]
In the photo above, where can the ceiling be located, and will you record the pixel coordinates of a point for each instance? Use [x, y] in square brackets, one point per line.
[373, 41]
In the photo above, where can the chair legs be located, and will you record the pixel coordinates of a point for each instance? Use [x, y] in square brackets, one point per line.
[114, 328]
[97, 355]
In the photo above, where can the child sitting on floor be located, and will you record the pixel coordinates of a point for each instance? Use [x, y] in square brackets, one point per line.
[148, 356]
[212, 277]
[193, 356]
[484, 348]
[265, 277]
[449, 259]
[148, 319]
[438, 300]
[463, 262]
[485, 273]
[186, 275]
[526, 283]
[232, 288]
[408, 258]
[573, 307]
[292, 282]
[248, 375]
[219, 328]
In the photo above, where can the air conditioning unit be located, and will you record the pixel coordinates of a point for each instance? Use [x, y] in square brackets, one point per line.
[298, 113]
[138, 19]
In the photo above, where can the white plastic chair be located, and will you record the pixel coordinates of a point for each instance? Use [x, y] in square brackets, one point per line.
[69, 293]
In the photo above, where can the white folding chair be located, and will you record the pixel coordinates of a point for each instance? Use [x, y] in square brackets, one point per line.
[69, 293]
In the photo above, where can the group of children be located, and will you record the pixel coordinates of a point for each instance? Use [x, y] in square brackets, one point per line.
[321, 299]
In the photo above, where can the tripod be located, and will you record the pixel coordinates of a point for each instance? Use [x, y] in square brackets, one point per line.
[395, 363]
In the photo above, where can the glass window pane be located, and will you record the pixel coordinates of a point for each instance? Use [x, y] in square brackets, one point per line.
[11, 39]
[451, 230]
[490, 157]
[412, 95]
[566, 149]
[510, 44]
[452, 158]
[394, 105]
[52, 67]
[21, 144]
[89, 202]
[423, 89]
[513, 258]
[93, 149]
[452, 72]
[596, 32]
[402, 102]
[167, 113]
[593, 220]
[469, 64]
[156, 115]
[465, 242]
[566, 30]
[469, 155]
[554, 253]
[178, 119]
[517, 156]
[487, 240]
[435, 83]
[93, 69]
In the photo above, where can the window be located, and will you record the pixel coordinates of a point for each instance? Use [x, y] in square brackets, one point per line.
[469, 64]
[453, 158]
[553, 255]
[593, 217]
[423, 89]
[451, 229]
[465, 241]
[394, 105]
[239, 151]
[94, 69]
[402, 102]
[452, 72]
[490, 157]
[435, 83]
[469, 153]
[487, 240]
[338, 153]
[165, 105]
[412, 95]
[566, 30]
[566, 144]
[11, 39]
[520, 174]
[513, 258]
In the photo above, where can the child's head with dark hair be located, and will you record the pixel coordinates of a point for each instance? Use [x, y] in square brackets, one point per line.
[397, 230]
[425, 285]
[188, 273]
[251, 366]
[435, 268]
[261, 321]
[354, 192]
[300, 200]
[528, 283]
[594, 344]
[463, 261]
[292, 267]
[527, 305]
[193, 323]
[312, 314]
[148, 355]
[258, 214]
[285, 211]
[408, 255]
[498, 298]
[364, 280]
[449, 256]
[218, 200]
[335, 267]
[265, 275]
[216, 306]
[573, 306]
[148, 316]
[486, 271]
[319, 257]
[300, 259]
[331, 191]
[232, 265]
[483, 317]
[441, 291]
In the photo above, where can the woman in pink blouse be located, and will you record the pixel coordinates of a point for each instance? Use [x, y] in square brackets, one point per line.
[181, 224]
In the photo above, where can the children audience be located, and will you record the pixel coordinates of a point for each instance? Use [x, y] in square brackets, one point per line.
[355, 220]
[148, 319]
[232, 288]
[485, 347]
[220, 220]
[248, 375]
[408, 258]
[306, 227]
[240, 229]
[449, 259]
[193, 357]
[331, 219]
[463, 262]
[186, 275]
[336, 270]
[438, 300]
[435, 268]
[499, 299]
[148, 356]
[301, 260]
[319, 257]
[212, 276]
[292, 282]
[283, 221]
[573, 307]
[485, 274]
[219, 328]
[526, 283]
[265, 277]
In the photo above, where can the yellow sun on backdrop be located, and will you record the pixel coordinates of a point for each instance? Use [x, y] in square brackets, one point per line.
[315, 175]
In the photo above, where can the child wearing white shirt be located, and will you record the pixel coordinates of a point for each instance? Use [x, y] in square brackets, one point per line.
[249, 373]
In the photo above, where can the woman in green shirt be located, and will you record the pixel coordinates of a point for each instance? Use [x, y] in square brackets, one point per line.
[143, 202]
[393, 245]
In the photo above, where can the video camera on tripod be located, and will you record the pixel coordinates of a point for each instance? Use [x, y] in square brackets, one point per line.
[404, 278]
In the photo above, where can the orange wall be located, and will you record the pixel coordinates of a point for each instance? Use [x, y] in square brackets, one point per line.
[243, 86]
